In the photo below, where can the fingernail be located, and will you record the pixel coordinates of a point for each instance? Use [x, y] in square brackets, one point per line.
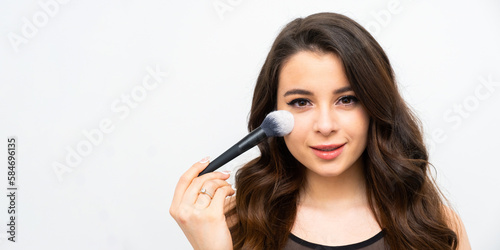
[228, 172]
[205, 159]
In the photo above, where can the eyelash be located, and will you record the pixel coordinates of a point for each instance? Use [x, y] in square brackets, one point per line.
[295, 101]
[352, 100]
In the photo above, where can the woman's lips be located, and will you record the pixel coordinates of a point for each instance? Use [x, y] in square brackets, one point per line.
[328, 152]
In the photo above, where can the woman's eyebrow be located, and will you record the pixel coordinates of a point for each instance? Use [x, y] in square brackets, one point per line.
[342, 90]
[297, 92]
[306, 92]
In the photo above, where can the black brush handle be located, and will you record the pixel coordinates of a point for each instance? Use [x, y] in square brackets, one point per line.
[248, 142]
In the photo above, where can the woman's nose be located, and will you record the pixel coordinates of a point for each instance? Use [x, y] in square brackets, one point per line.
[326, 121]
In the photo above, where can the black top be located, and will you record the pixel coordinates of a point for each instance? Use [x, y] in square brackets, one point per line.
[374, 243]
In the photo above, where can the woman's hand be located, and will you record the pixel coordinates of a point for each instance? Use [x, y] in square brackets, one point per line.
[198, 207]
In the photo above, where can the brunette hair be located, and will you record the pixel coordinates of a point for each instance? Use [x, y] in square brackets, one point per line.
[406, 201]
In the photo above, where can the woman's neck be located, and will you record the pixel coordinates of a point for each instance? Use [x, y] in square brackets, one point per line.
[339, 192]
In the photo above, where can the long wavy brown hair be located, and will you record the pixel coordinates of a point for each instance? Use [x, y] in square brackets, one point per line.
[401, 193]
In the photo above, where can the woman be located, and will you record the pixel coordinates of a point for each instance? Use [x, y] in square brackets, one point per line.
[354, 171]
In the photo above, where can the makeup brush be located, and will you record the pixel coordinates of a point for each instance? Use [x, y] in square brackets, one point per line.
[276, 124]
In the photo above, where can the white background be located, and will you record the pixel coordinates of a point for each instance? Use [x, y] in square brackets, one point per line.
[65, 74]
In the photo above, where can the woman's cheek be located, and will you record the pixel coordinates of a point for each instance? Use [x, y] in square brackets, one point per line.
[300, 129]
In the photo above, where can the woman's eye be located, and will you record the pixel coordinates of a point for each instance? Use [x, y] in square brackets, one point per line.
[348, 100]
[300, 102]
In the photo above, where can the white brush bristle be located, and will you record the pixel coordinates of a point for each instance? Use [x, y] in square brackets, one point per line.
[278, 123]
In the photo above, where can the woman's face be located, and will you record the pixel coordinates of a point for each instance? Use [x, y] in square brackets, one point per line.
[331, 126]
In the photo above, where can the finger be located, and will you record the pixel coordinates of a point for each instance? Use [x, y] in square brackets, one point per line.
[186, 180]
[202, 201]
[211, 182]
[209, 187]
[229, 203]
[217, 203]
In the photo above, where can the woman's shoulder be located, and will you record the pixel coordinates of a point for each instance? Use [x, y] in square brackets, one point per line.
[457, 225]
